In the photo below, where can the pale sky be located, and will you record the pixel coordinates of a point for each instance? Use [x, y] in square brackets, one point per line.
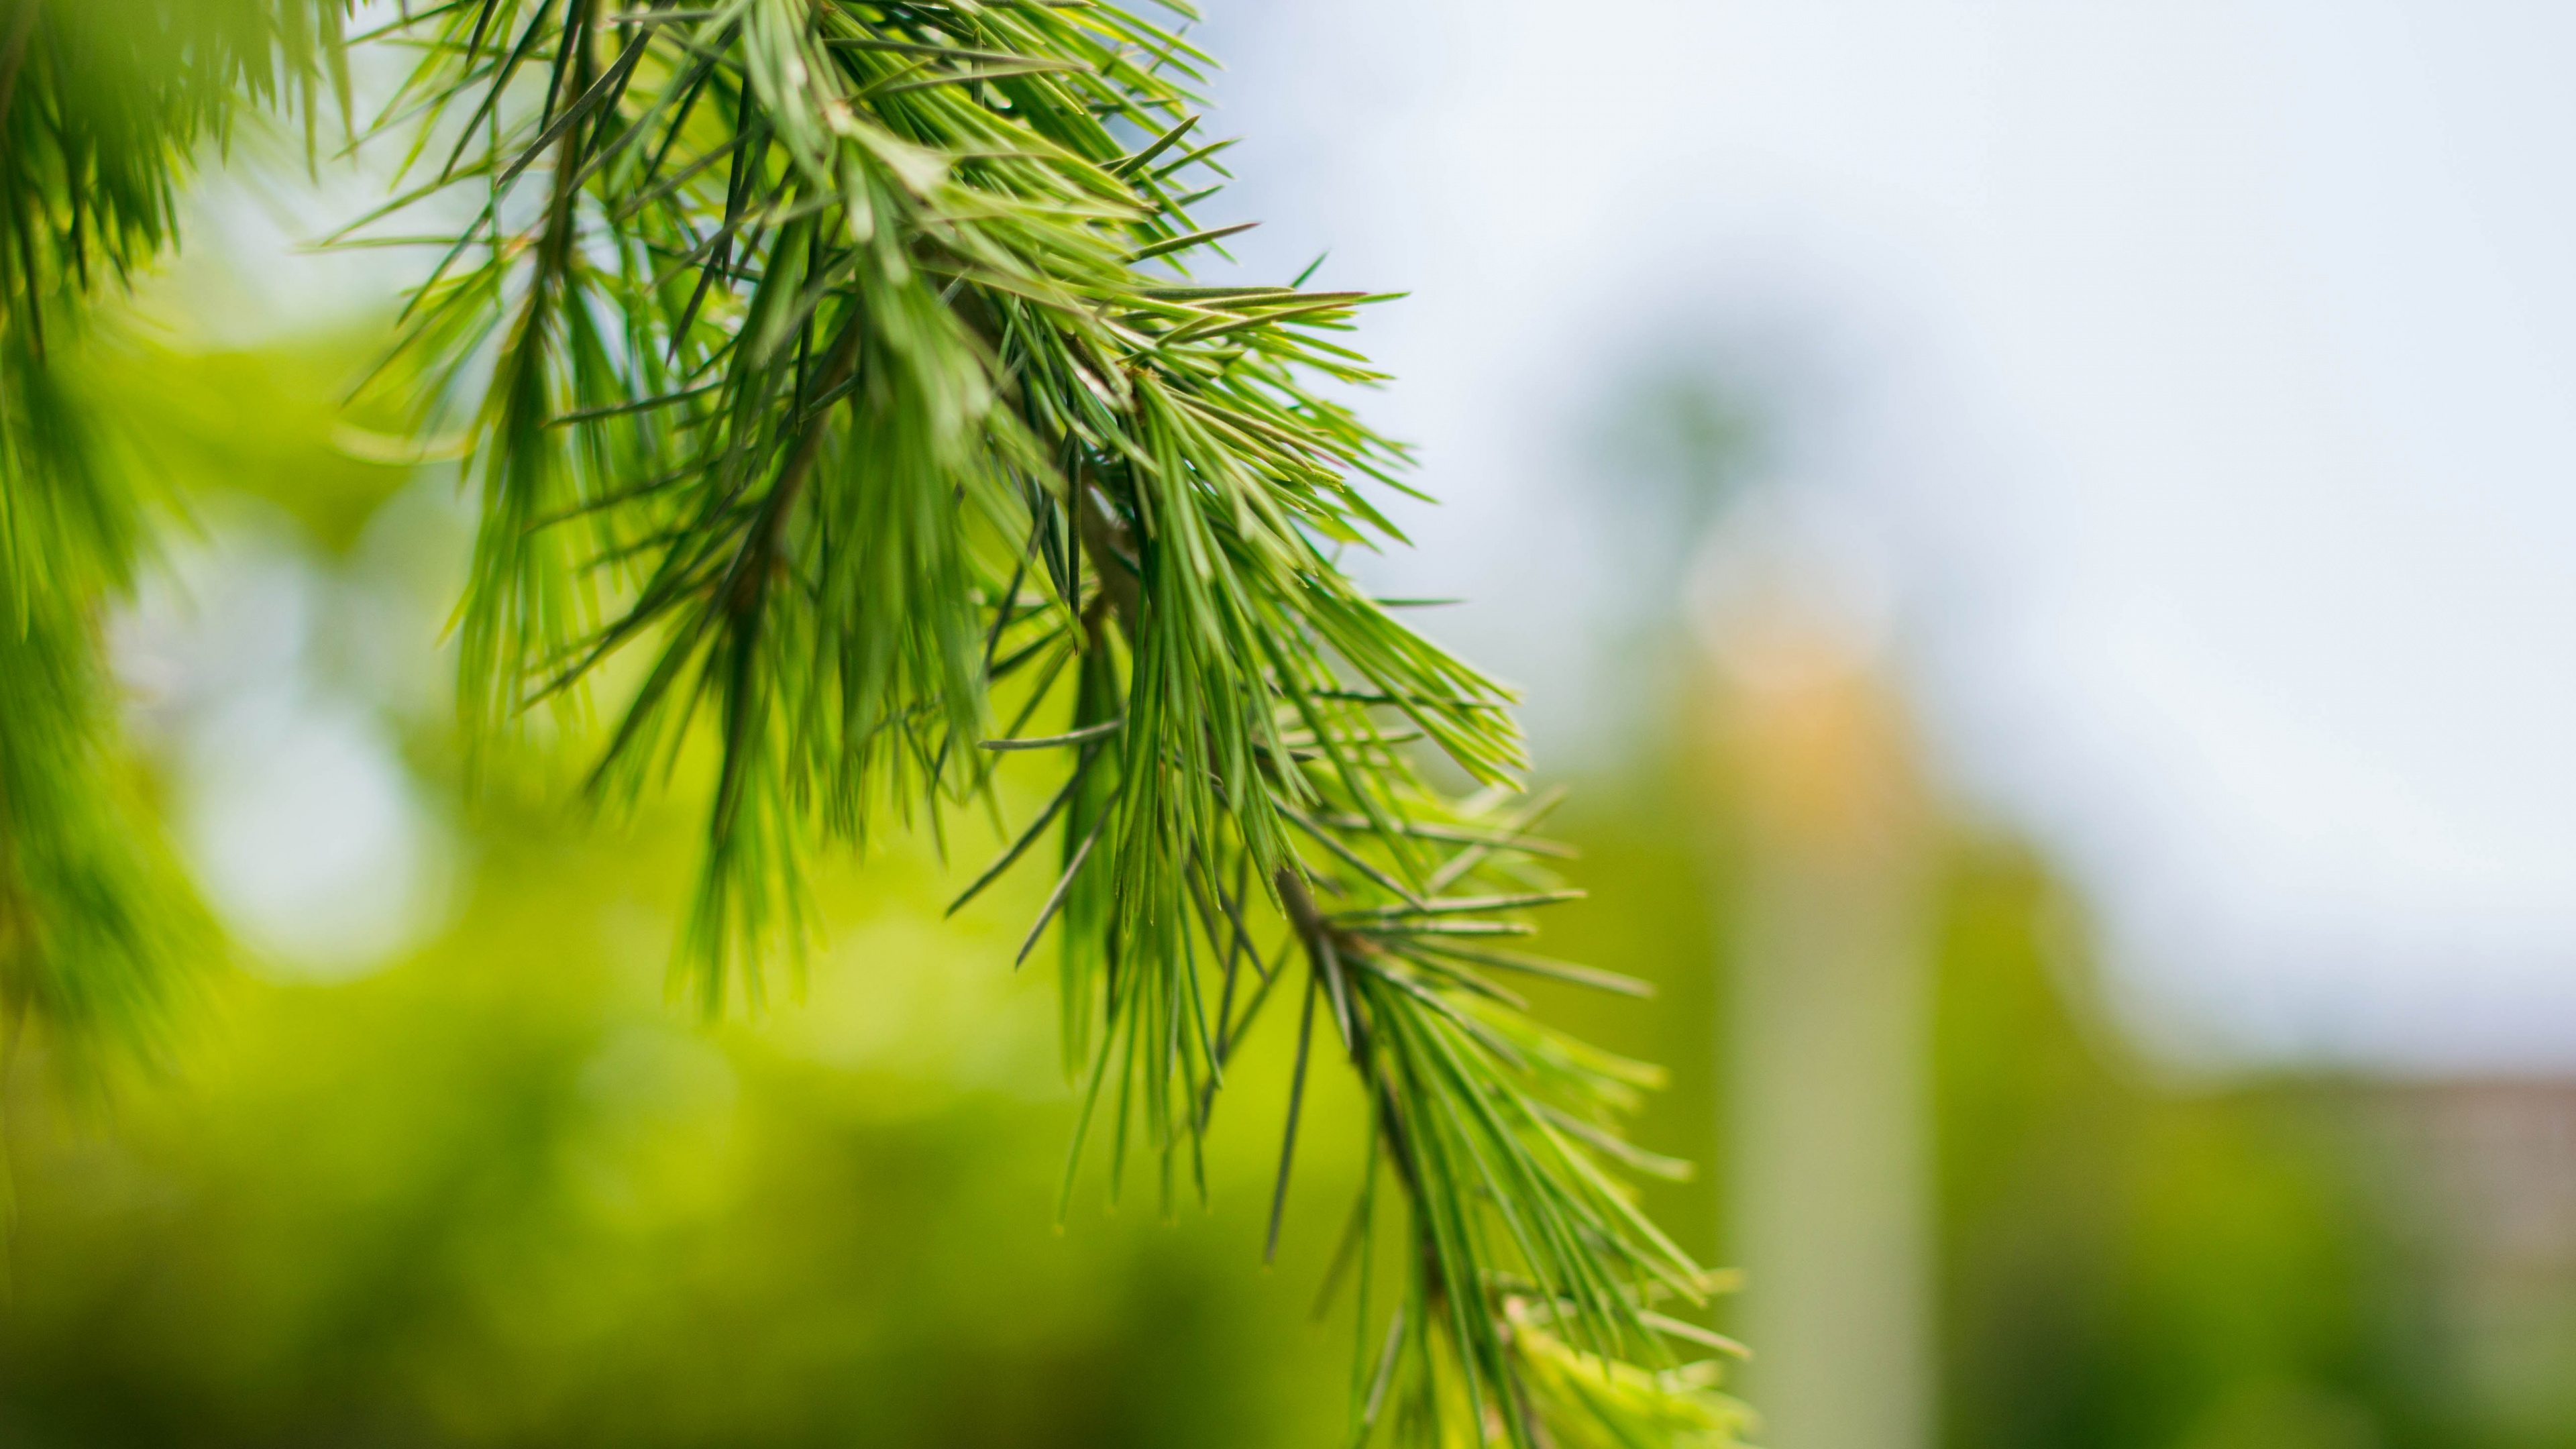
[2195, 378]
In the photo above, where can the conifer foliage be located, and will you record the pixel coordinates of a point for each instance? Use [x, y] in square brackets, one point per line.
[102, 105]
[842, 409]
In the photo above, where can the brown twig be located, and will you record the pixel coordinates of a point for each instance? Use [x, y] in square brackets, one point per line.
[16, 55]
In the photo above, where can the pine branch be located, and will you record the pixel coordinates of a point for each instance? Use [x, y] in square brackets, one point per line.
[98, 929]
[103, 110]
[884, 307]
[802, 335]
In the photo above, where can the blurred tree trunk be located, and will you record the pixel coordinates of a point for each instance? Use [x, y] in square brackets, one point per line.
[1832, 1209]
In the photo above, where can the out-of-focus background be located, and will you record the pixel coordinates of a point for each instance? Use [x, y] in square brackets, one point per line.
[2040, 533]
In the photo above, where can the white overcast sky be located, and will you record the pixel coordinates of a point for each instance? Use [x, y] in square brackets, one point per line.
[2199, 377]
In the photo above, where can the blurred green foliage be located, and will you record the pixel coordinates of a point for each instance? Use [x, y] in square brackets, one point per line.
[2129, 1266]
[503, 1192]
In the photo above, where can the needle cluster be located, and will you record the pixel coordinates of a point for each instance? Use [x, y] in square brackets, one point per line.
[841, 408]
[104, 104]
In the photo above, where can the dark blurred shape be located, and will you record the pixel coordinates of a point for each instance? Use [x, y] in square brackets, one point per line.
[1679, 439]
[1682, 439]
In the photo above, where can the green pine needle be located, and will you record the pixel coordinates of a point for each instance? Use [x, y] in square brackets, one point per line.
[802, 338]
